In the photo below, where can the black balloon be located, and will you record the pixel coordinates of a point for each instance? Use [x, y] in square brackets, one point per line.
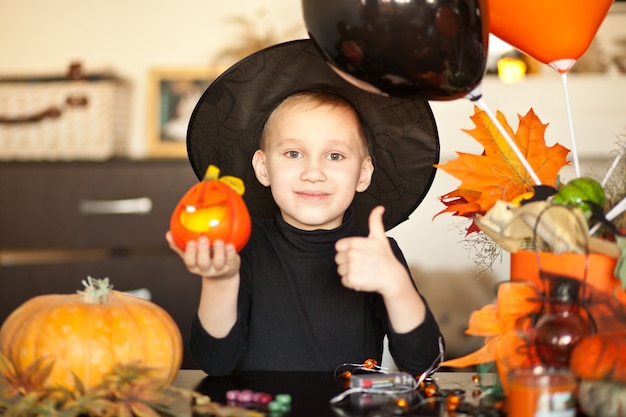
[426, 49]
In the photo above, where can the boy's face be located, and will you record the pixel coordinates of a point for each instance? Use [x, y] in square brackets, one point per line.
[314, 160]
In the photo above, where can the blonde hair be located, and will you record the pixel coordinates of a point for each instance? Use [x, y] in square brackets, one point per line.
[314, 99]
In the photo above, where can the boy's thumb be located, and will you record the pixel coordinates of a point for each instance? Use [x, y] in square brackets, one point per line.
[376, 225]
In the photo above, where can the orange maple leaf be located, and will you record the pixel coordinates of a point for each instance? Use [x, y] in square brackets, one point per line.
[498, 174]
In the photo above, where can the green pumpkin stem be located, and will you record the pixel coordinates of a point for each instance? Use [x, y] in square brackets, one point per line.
[97, 291]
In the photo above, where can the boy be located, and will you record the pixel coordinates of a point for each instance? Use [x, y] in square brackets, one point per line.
[313, 288]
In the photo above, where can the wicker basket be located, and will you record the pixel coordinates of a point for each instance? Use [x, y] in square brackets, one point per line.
[63, 119]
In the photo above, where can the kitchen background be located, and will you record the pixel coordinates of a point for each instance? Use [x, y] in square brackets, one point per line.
[133, 38]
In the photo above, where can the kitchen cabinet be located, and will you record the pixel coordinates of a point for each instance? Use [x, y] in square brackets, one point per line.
[63, 221]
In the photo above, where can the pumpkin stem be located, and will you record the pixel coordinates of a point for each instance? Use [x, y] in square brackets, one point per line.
[97, 291]
[213, 174]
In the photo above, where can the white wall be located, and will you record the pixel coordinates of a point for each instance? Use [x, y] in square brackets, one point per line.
[133, 36]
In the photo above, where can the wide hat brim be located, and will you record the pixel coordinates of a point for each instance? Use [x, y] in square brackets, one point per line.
[226, 124]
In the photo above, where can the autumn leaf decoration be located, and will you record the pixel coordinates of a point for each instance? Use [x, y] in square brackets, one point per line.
[498, 174]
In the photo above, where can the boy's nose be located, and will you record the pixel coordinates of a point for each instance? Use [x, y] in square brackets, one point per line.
[313, 171]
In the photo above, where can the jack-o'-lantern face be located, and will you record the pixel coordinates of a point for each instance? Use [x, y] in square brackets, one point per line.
[212, 208]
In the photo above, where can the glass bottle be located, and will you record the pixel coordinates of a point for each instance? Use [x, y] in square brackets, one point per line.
[562, 323]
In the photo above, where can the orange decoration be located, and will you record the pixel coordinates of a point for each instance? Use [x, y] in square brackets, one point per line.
[497, 174]
[504, 324]
[601, 357]
[555, 32]
[430, 390]
[402, 403]
[86, 335]
[525, 265]
[452, 402]
[212, 208]
[370, 364]
[497, 322]
[595, 270]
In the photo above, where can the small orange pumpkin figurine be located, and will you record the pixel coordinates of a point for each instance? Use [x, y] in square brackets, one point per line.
[212, 208]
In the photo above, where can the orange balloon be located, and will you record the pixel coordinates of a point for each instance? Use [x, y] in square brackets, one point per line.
[555, 32]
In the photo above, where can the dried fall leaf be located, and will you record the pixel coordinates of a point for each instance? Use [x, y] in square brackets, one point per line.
[15, 381]
[128, 391]
[497, 174]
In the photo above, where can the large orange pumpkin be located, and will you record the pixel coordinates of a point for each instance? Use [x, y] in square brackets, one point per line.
[89, 332]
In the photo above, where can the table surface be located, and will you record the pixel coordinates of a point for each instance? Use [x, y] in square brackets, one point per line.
[311, 392]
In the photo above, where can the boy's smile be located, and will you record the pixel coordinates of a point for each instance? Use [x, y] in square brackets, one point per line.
[312, 195]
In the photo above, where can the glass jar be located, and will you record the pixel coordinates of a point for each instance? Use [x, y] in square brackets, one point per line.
[541, 392]
[562, 323]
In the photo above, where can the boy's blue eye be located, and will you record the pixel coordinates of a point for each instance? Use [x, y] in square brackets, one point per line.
[335, 156]
[293, 154]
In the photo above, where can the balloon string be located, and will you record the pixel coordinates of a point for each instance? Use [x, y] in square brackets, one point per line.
[571, 124]
[509, 140]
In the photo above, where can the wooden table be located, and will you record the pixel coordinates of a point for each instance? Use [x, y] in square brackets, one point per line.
[311, 392]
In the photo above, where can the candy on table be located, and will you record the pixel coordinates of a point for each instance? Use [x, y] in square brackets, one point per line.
[248, 396]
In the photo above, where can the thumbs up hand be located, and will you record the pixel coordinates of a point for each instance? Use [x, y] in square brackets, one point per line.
[368, 263]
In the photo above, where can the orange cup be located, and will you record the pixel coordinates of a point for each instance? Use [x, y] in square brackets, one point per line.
[541, 392]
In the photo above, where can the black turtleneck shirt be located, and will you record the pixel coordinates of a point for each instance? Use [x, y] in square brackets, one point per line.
[294, 313]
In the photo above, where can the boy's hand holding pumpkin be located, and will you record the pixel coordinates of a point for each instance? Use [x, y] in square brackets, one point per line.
[218, 260]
